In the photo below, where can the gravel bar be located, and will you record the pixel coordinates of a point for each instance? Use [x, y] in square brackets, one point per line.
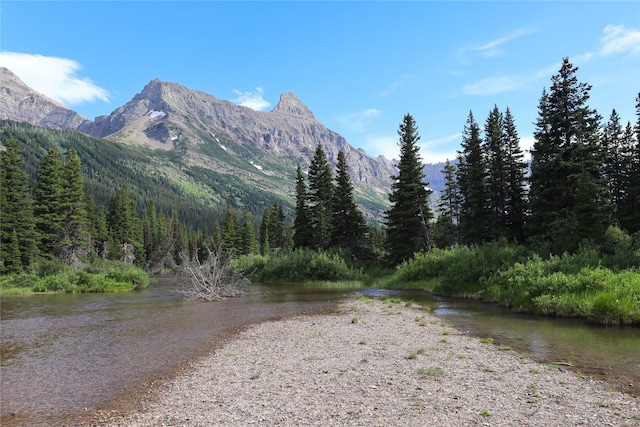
[376, 363]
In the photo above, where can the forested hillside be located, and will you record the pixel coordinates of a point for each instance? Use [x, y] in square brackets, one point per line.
[198, 197]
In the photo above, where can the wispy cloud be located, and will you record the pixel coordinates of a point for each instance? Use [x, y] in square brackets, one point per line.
[495, 85]
[54, 77]
[493, 48]
[252, 99]
[359, 120]
[398, 84]
[440, 149]
[619, 40]
[616, 40]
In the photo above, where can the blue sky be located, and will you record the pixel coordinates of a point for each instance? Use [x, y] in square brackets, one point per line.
[359, 66]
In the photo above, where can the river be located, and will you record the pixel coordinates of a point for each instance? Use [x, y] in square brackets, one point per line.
[63, 353]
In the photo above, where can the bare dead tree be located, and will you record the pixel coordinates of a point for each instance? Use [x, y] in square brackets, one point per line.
[212, 279]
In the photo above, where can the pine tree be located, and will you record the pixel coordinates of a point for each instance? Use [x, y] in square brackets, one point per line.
[629, 214]
[125, 231]
[320, 197]
[249, 242]
[566, 156]
[302, 231]
[74, 245]
[348, 222]
[516, 197]
[612, 144]
[18, 236]
[471, 176]
[497, 182]
[449, 209]
[277, 233]
[264, 231]
[407, 220]
[230, 232]
[49, 201]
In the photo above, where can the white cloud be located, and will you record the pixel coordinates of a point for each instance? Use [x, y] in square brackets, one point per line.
[383, 145]
[54, 77]
[253, 100]
[494, 85]
[440, 149]
[359, 120]
[618, 39]
[492, 48]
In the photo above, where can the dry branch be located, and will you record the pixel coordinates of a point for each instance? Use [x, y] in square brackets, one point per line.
[213, 279]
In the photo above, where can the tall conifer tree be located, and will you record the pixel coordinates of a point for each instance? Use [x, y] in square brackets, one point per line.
[74, 245]
[302, 232]
[348, 224]
[49, 198]
[495, 150]
[320, 196]
[449, 207]
[471, 176]
[408, 218]
[516, 197]
[566, 171]
[18, 236]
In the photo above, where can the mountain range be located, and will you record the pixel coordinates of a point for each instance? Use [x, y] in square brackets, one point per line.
[205, 137]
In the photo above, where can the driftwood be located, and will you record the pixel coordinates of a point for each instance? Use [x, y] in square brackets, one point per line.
[212, 279]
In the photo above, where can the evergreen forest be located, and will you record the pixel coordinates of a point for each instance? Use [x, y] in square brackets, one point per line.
[559, 235]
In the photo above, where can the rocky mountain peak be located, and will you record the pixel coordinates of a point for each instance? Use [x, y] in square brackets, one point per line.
[289, 104]
[21, 103]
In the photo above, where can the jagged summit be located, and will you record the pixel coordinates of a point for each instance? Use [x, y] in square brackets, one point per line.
[289, 104]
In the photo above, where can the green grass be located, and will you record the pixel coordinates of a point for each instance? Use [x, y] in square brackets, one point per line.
[431, 372]
[55, 277]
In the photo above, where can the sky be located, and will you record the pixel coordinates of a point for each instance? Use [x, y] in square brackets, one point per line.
[359, 66]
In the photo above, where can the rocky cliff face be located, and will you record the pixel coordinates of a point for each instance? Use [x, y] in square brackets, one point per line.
[169, 115]
[21, 103]
[262, 149]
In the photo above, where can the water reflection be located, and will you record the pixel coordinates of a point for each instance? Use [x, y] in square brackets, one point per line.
[61, 353]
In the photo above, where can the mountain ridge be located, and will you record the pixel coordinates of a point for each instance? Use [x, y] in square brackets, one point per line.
[216, 136]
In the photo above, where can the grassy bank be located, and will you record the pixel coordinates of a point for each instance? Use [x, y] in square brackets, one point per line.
[604, 288]
[600, 285]
[53, 276]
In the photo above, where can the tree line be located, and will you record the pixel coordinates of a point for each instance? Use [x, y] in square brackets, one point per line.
[583, 182]
[584, 179]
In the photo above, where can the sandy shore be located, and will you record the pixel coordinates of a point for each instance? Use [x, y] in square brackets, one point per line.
[376, 363]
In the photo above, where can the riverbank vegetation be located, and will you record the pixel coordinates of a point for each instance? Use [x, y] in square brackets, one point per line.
[54, 276]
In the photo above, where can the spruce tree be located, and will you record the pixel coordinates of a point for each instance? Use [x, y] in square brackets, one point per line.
[566, 170]
[73, 247]
[277, 232]
[49, 201]
[125, 231]
[264, 231]
[449, 209]
[516, 196]
[302, 231]
[320, 197]
[495, 151]
[18, 236]
[348, 222]
[407, 220]
[230, 232]
[630, 209]
[471, 176]
[249, 242]
[612, 144]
